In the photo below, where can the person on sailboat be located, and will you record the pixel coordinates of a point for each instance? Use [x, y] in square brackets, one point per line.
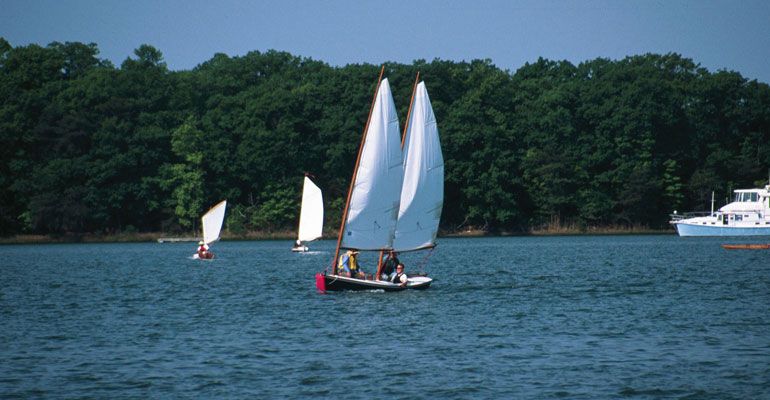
[389, 265]
[398, 276]
[348, 265]
[203, 249]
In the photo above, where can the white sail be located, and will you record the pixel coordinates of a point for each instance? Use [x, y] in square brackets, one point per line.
[373, 210]
[311, 215]
[422, 194]
[212, 222]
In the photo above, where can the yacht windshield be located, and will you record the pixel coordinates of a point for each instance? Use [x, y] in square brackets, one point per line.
[747, 197]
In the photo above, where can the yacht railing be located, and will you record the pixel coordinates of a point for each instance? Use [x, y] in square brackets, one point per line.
[691, 214]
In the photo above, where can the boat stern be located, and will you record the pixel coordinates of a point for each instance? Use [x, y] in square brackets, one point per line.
[320, 282]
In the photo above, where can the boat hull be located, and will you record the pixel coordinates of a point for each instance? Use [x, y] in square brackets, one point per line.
[300, 249]
[687, 229]
[337, 283]
[207, 256]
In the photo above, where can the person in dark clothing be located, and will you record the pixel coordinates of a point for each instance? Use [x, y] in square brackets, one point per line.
[398, 276]
[389, 265]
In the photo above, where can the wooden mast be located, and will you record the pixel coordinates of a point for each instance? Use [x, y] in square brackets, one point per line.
[409, 114]
[355, 173]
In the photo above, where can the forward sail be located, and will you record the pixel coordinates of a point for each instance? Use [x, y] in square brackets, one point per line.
[311, 215]
[422, 193]
[371, 218]
[212, 222]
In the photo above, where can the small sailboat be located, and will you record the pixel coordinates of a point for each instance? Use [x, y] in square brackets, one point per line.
[392, 205]
[311, 215]
[212, 226]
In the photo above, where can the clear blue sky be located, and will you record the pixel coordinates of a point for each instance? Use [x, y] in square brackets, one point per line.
[718, 34]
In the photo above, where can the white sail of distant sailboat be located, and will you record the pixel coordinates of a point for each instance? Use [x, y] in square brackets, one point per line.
[212, 222]
[311, 215]
[212, 226]
[371, 219]
[422, 193]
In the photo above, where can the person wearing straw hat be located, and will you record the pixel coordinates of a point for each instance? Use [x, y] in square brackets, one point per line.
[348, 265]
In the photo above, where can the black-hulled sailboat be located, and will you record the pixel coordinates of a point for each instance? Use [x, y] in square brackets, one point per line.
[396, 195]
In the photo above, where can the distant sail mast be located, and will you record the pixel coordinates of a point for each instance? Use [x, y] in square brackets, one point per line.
[355, 173]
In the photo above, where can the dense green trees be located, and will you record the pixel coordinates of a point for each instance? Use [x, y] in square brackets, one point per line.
[88, 147]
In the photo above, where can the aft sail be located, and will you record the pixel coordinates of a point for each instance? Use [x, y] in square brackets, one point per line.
[422, 193]
[212, 222]
[371, 218]
[311, 215]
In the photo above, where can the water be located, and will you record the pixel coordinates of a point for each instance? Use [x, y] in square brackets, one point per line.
[574, 317]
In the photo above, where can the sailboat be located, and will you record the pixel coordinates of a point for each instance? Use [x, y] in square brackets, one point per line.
[392, 205]
[212, 226]
[311, 215]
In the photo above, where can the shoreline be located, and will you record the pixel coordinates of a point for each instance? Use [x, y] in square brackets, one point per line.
[288, 235]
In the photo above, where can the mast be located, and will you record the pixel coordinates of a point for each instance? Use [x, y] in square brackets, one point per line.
[409, 113]
[355, 172]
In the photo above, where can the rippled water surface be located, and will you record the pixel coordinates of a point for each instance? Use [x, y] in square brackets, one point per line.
[574, 317]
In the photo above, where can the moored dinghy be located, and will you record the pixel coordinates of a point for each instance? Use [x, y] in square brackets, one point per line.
[311, 215]
[212, 226]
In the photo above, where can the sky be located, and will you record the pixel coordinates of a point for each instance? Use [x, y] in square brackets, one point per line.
[733, 35]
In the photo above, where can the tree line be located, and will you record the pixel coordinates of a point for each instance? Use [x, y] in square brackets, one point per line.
[86, 146]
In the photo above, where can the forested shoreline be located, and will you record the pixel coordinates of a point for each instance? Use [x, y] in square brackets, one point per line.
[91, 148]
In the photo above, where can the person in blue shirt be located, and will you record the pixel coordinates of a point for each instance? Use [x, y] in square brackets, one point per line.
[348, 265]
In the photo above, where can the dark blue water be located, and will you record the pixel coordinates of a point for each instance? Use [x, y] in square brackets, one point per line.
[574, 317]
